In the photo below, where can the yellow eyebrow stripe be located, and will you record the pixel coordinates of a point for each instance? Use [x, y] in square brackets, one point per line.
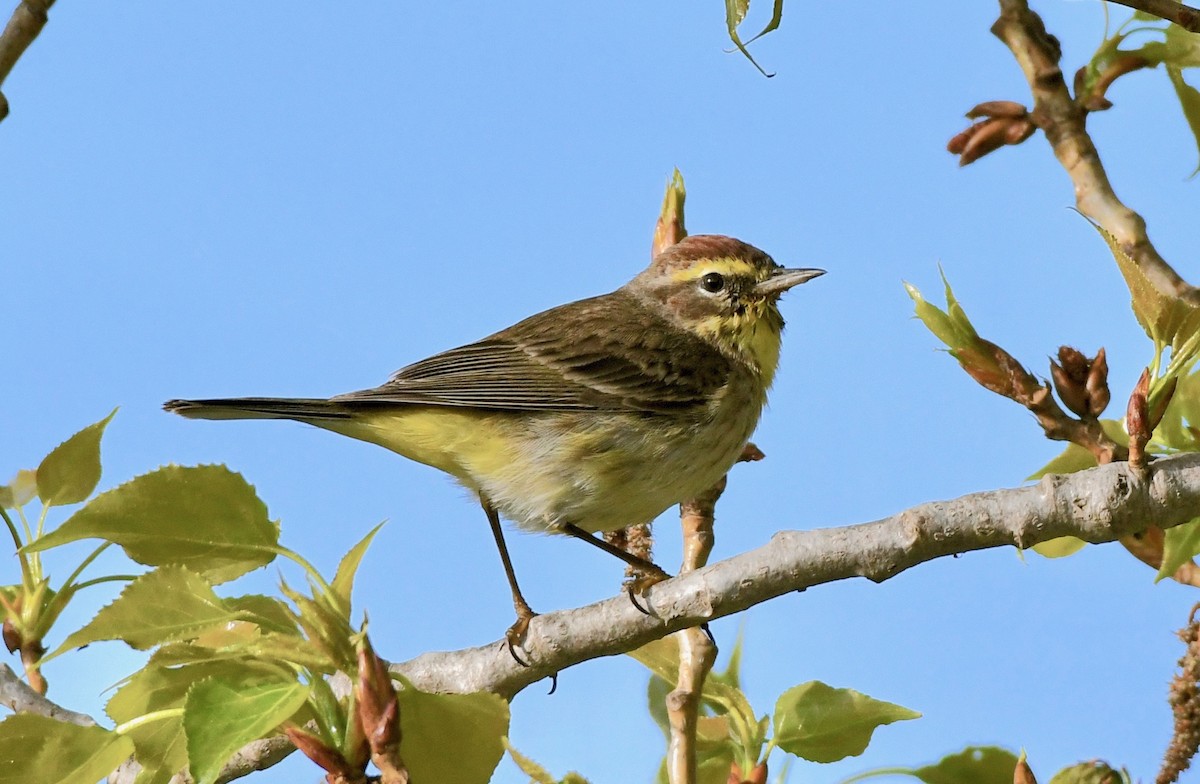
[731, 267]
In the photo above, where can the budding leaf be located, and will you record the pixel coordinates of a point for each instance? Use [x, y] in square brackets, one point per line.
[219, 718]
[207, 518]
[170, 603]
[71, 472]
[40, 749]
[1090, 773]
[1189, 100]
[974, 764]
[670, 227]
[477, 722]
[343, 581]
[1167, 319]
[824, 724]
[1180, 545]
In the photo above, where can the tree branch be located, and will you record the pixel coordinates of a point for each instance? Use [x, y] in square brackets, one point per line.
[1097, 505]
[17, 695]
[27, 21]
[1183, 15]
[1064, 122]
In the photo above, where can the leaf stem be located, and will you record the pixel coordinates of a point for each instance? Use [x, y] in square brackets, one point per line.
[309, 569]
[134, 723]
[69, 584]
[26, 577]
[869, 774]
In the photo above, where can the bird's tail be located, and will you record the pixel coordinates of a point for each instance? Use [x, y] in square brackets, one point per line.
[303, 409]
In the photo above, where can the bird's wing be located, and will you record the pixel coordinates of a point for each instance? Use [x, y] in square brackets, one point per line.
[600, 354]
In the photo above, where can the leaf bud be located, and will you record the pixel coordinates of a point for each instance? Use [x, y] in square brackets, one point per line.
[1137, 421]
[328, 758]
[1097, 384]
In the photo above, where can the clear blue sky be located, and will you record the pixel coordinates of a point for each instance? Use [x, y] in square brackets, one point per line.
[272, 199]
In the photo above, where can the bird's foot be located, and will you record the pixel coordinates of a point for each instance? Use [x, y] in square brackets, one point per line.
[514, 638]
[639, 586]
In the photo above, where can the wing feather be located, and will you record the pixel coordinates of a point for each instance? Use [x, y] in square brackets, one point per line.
[589, 355]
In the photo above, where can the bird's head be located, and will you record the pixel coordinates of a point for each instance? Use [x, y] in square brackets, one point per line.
[725, 291]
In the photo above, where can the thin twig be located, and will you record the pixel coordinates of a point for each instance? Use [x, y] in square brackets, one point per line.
[1183, 15]
[697, 653]
[26, 22]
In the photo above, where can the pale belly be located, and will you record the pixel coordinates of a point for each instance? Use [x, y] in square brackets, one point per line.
[599, 471]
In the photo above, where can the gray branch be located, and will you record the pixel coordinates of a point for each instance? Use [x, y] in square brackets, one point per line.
[1098, 505]
[26, 22]
[16, 695]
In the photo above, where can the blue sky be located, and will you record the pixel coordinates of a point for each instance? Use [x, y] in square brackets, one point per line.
[271, 199]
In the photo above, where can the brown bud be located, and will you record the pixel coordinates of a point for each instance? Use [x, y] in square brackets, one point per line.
[1137, 421]
[12, 637]
[328, 758]
[1022, 774]
[1072, 391]
[751, 454]
[1097, 384]
[997, 109]
[377, 704]
[1161, 403]
[757, 776]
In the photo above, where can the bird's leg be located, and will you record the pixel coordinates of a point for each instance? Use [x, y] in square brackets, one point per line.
[516, 633]
[649, 573]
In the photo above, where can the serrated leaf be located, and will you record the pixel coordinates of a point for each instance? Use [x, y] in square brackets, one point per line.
[40, 750]
[171, 603]
[824, 724]
[1189, 101]
[20, 491]
[536, 773]
[478, 722]
[1181, 544]
[207, 518]
[343, 580]
[1060, 547]
[972, 765]
[71, 472]
[1166, 318]
[219, 718]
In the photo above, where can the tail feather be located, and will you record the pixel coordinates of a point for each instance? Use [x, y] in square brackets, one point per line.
[258, 408]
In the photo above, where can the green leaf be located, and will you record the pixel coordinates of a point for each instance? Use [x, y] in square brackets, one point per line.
[951, 326]
[20, 490]
[40, 750]
[207, 518]
[972, 765]
[1096, 772]
[824, 724]
[270, 613]
[1182, 544]
[536, 773]
[477, 722]
[1167, 319]
[343, 581]
[219, 718]
[1060, 547]
[735, 12]
[1189, 100]
[71, 472]
[171, 603]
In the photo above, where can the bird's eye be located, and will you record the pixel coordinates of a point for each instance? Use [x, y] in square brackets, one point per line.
[712, 282]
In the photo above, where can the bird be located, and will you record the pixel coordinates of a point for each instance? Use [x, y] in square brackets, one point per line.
[588, 417]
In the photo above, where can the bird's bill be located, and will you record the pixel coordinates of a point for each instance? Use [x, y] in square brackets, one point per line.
[783, 279]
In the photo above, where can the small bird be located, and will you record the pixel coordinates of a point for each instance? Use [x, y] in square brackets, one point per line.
[588, 417]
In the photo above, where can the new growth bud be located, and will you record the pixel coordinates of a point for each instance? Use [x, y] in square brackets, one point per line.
[1000, 123]
[1081, 383]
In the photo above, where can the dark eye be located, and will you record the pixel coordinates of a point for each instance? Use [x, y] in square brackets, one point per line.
[712, 282]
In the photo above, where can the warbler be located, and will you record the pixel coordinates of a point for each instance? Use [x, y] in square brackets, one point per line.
[588, 417]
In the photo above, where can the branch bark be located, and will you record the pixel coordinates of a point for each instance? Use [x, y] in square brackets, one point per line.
[1097, 505]
[26, 22]
[1064, 122]
[19, 697]
[1183, 15]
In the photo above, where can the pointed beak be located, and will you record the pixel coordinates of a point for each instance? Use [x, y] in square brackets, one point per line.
[783, 279]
